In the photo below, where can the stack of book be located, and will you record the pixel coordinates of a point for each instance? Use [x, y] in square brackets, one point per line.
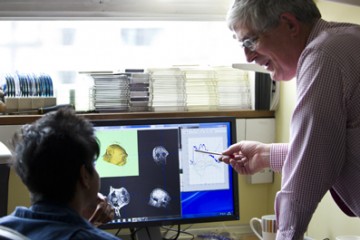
[139, 92]
[111, 92]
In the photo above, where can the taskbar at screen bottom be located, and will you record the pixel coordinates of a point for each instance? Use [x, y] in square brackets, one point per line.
[130, 221]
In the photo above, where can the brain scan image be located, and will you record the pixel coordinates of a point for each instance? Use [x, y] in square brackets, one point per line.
[115, 154]
[159, 198]
[159, 155]
[118, 198]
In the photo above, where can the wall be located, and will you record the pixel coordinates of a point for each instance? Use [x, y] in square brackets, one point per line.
[18, 194]
[328, 221]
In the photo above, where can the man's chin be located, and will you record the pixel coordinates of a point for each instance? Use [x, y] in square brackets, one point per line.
[273, 76]
[281, 77]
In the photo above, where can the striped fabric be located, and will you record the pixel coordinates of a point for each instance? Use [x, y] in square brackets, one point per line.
[324, 148]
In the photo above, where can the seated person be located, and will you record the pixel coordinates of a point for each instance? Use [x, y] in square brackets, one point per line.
[55, 158]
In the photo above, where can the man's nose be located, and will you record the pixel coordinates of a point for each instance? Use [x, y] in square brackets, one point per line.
[250, 55]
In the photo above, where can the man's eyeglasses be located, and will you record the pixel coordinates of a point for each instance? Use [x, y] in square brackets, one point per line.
[250, 43]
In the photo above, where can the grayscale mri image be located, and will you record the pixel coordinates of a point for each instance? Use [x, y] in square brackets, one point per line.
[118, 198]
[159, 198]
[160, 154]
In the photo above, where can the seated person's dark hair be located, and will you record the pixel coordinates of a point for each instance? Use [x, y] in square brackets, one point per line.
[50, 152]
[54, 157]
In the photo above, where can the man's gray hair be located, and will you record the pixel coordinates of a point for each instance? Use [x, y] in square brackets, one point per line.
[262, 15]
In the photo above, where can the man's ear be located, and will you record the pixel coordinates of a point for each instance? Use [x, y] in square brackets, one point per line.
[292, 24]
[84, 177]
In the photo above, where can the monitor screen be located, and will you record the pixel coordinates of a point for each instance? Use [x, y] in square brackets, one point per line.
[152, 174]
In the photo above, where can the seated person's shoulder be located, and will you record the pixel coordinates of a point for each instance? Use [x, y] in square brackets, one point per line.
[95, 234]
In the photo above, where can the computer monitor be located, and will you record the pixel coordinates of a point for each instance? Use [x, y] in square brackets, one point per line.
[153, 176]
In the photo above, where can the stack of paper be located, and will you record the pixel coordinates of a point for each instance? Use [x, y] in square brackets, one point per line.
[233, 88]
[167, 89]
[201, 88]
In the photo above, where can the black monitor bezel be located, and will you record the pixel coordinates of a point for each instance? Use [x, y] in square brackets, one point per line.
[174, 120]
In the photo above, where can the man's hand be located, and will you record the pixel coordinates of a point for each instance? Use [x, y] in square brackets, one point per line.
[103, 213]
[247, 157]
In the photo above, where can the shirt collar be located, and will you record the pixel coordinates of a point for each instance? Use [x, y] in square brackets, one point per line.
[316, 30]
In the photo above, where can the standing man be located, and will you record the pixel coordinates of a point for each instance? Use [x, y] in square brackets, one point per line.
[290, 39]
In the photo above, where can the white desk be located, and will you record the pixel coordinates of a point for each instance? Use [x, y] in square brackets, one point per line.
[5, 153]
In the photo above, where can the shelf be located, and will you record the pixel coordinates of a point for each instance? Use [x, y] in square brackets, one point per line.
[23, 119]
[250, 67]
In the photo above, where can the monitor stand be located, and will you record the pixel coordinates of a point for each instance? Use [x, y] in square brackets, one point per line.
[148, 233]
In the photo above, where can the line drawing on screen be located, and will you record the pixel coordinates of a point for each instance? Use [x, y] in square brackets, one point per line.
[205, 168]
[203, 171]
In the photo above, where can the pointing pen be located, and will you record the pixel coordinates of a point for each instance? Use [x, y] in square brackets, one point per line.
[210, 152]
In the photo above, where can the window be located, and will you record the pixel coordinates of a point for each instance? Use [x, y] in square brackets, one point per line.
[62, 48]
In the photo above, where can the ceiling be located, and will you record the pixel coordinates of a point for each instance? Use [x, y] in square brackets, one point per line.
[121, 9]
[117, 9]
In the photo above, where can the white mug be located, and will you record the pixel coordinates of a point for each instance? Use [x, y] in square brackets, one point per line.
[267, 225]
[348, 237]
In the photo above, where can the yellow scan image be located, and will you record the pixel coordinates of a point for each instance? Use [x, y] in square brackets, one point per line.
[115, 154]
